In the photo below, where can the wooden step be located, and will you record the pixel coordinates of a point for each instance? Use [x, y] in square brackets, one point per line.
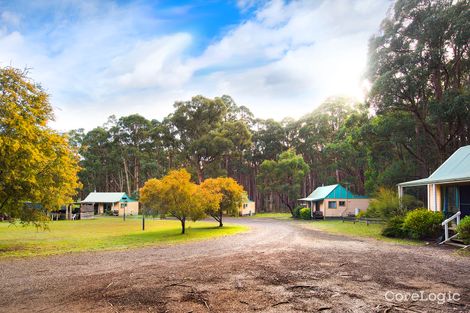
[457, 240]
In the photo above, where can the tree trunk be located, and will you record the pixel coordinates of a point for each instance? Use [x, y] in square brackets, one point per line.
[286, 203]
[220, 219]
[137, 174]
[126, 172]
[200, 174]
[183, 225]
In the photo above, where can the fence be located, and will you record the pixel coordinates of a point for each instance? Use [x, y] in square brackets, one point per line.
[363, 220]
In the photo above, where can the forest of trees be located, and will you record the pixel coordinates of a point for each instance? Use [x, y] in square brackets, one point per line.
[416, 114]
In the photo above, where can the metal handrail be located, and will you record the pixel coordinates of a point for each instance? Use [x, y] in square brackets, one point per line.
[453, 217]
[446, 225]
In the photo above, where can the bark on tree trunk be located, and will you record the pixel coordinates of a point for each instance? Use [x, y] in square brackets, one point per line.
[220, 219]
[200, 175]
[198, 165]
[126, 172]
[137, 173]
[183, 225]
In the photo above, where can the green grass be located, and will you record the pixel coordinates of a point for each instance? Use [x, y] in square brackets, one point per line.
[463, 252]
[356, 230]
[104, 233]
[271, 215]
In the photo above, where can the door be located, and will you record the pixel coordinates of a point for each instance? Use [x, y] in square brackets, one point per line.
[464, 200]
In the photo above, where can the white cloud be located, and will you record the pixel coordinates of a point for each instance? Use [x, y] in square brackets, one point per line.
[8, 18]
[283, 61]
[310, 51]
[154, 63]
[247, 4]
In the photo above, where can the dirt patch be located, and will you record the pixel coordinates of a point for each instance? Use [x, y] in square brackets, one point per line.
[277, 267]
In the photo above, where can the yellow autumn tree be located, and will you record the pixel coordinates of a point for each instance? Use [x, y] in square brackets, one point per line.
[176, 195]
[232, 195]
[38, 169]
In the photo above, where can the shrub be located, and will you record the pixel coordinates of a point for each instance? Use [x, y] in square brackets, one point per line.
[421, 224]
[386, 204]
[305, 214]
[361, 214]
[296, 211]
[464, 229]
[394, 228]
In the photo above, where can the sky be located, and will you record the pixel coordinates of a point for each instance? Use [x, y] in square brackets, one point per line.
[98, 58]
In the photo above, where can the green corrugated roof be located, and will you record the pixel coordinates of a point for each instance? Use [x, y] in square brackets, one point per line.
[455, 169]
[331, 192]
[106, 197]
[320, 193]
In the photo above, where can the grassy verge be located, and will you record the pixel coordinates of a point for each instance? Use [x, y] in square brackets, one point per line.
[282, 216]
[104, 233]
[463, 252]
[356, 230]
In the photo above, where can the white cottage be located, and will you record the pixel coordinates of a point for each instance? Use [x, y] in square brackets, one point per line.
[116, 203]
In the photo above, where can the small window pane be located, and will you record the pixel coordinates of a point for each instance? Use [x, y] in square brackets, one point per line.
[342, 203]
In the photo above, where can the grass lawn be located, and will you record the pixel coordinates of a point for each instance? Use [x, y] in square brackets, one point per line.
[103, 233]
[356, 230]
[282, 216]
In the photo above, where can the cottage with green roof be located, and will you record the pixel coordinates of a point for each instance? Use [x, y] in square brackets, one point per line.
[335, 201]
[448, 189]
[116, 203]
[449, 186]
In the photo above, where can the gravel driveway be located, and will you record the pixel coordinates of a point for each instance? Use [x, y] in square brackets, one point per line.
[277, 266]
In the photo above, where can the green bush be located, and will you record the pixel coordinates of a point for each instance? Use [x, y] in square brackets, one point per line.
[464, 229]
[296, 211]
[394, 228]
[421, 224]
[305, 214]
[361, 214]
[386, 204]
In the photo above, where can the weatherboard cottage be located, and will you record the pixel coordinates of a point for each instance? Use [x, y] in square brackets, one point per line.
[109, 202]
[335, 201]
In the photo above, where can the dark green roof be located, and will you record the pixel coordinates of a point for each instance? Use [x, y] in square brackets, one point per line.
[455, 169]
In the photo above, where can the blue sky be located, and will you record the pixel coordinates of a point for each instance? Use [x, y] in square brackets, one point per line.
[279, 58]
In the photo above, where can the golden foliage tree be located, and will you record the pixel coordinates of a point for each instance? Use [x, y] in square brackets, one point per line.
[38, 169]
[175, 194]
[232, 195]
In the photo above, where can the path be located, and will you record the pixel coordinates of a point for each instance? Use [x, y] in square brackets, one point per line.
[276, 267]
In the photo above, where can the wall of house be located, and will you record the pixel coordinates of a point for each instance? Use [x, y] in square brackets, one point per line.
[247, 208]
[352, 204]
[131, 209]
[434, 198]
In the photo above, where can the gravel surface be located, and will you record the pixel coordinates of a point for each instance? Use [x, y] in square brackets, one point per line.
[278, 266]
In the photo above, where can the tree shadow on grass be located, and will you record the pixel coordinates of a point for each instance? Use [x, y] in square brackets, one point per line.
[171, 235]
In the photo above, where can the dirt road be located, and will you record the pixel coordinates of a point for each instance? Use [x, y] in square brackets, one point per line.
[276, 267]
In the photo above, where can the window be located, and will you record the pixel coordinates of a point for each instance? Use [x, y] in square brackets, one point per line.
[342, 203]
[331, 204]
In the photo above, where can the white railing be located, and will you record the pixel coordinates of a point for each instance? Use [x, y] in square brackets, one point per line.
[456, 217]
